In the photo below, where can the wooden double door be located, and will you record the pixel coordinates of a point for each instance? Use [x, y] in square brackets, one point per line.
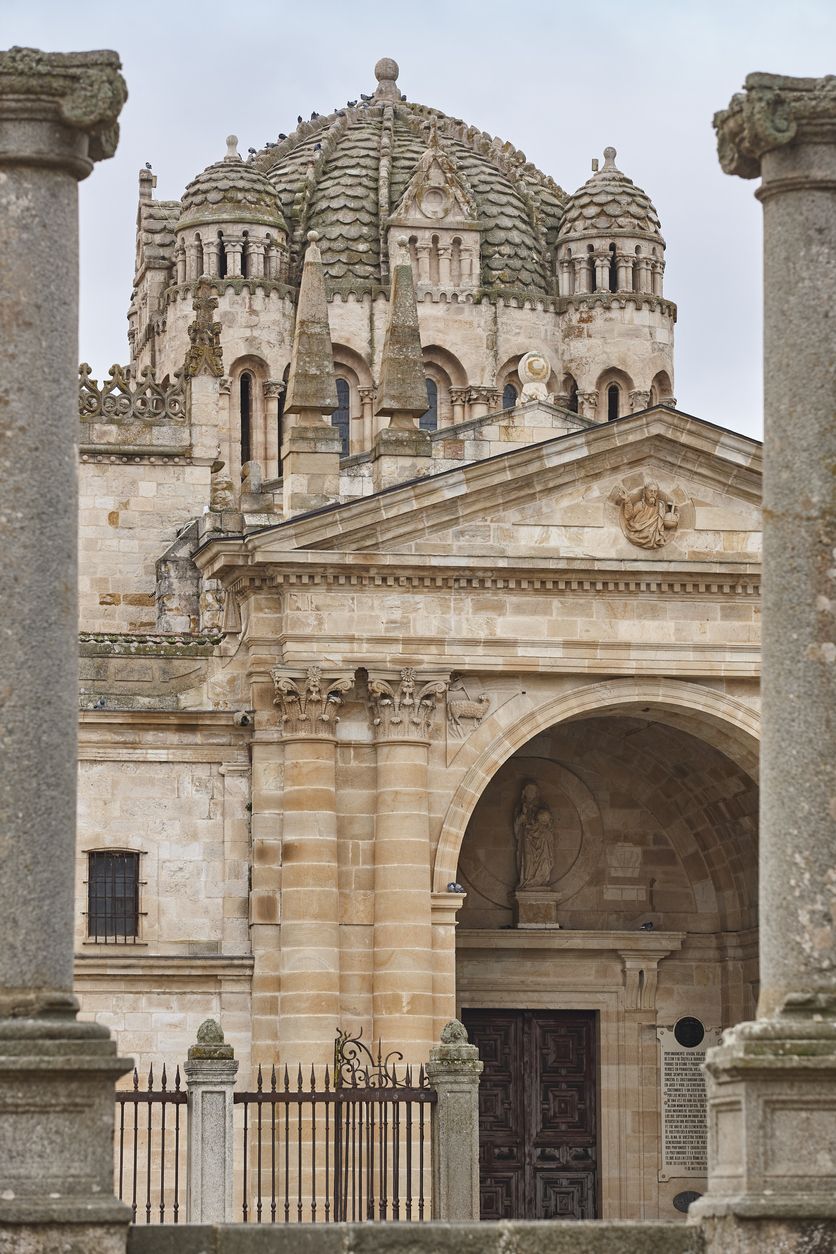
[538, 1113]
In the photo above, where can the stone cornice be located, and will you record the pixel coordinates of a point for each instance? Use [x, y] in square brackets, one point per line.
[82, 91]
[434, 572]
[771, 112]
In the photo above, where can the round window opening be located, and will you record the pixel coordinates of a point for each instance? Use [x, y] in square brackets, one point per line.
[684, 1199]
[689, 1032]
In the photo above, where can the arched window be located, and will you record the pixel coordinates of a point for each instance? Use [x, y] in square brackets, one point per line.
[221, 256]
[613, 270]
[509, 396]
[245, 256]
[246, 396]
[341, 416]
[573, 397]
[429, 419]
[613, 401]
[593, 275]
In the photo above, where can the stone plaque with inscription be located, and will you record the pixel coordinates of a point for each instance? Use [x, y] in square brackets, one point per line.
[684, 1126]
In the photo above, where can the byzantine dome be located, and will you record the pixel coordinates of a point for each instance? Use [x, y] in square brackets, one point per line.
[230, 190]
[608, 203]
[344, 174]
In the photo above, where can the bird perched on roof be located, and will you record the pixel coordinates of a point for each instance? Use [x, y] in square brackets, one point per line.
[299, 119]
[364, 97]
[281, 136]
[252, 150]
[352, 104]
[147, 165]
[314, 115]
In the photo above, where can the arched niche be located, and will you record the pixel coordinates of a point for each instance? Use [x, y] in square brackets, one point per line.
[728, 725]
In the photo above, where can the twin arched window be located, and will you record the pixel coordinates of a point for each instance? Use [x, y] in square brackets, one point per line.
[509, 396]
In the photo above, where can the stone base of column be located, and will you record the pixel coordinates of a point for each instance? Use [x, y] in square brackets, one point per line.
[56, 1137]
[399, 455]
[310, 468]
[772, 1134]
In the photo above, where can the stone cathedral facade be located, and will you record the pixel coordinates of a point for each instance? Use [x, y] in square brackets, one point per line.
[419, 646]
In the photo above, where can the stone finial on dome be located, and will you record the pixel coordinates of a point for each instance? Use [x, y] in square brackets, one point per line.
[610, 155]
[232, 148]
[386, 72]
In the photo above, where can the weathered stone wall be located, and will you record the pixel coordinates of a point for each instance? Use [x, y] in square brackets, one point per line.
[129, 511]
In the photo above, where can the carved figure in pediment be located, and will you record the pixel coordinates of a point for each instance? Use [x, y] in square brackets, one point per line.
[648, 517]
[533, 838]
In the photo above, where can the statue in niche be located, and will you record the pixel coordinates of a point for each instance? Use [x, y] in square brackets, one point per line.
[533, 839]
[648, 517]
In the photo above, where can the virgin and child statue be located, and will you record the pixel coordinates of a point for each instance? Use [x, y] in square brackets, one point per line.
[533, 839]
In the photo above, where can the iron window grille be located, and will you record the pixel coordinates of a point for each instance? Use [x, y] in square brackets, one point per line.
[113, 897]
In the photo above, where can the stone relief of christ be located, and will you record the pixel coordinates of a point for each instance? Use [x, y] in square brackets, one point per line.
[533, 839]
[648, 517]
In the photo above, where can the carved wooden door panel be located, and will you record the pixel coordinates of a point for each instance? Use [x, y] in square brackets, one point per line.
[538, 1118]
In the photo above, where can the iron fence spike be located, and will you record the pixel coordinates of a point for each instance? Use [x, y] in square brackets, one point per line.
[136, 1080]
[150, 1077]
[259, 1079]
[163, 1079]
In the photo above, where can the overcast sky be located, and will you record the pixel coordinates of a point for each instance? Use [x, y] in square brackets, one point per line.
[560, 80]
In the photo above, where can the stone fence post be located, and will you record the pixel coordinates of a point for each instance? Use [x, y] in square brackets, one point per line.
[210, 1079]
[453, 1071]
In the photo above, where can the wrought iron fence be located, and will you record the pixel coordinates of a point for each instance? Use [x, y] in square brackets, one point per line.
[353, 1146]
[149, 1148]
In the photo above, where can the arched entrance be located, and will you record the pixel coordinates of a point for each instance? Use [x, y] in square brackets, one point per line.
[641, 912]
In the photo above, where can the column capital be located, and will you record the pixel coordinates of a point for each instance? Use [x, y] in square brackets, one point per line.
[73, 98]
[403, 707]
[772, 111]
[308, 702]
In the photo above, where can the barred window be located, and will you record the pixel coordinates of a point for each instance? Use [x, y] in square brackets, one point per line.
[113, 896]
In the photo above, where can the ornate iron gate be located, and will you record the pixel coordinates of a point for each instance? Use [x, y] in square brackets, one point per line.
[353, 1144]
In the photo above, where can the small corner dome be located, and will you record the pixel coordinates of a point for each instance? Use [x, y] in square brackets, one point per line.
[610, 203]
[231, 190]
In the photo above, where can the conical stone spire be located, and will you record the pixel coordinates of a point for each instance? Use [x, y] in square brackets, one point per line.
[311, 387]
[402, 390]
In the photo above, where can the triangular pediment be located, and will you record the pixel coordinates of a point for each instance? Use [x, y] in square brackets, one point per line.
[657, 486]
[438, 193]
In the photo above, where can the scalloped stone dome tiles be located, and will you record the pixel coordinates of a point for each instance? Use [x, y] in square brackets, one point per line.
[231, 189]
[610, 201]
[328, 178]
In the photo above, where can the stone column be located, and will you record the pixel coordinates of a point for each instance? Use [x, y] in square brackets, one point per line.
[255, 258]
[453, 1071]
[588, 404]
[458, 400]
[565, 268]
[272, 392]
[624, 266]
[211, 248]
[310, 929]
[402, 712]
[58, 116]
[367, 395]
[210, 1078]
[772, 1083]
[234, 248]
[445, 907]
